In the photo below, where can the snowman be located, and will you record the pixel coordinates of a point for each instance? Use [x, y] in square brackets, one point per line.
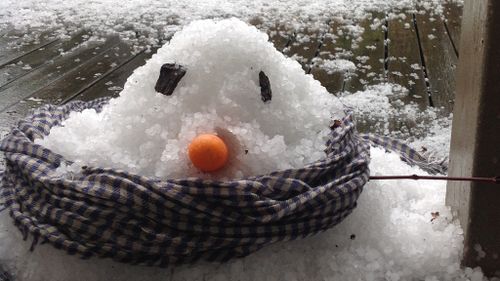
[217, 85]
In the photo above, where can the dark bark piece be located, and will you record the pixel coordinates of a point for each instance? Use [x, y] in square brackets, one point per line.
[170, 75]
[335, 124]
[265, 87]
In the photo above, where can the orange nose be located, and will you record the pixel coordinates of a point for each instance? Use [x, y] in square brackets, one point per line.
[208, 152]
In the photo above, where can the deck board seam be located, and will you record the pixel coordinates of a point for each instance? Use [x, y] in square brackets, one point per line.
[318, 48]
[34, 69]
[109, 72]
[58, 79]
[29, 52]
[422, 60]
[453, 44]
[386, 47]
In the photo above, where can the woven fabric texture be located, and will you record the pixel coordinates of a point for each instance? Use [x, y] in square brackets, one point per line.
[130, 218]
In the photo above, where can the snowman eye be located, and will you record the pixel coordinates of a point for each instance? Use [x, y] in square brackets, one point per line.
[265, 87]
[170, 75]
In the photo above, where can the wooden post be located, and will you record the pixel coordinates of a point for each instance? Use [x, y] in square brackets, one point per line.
[475, 142]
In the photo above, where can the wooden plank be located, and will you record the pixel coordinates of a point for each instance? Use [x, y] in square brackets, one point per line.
[112, 84]
[453, 22]
[368, 55]
[304, 46]
[440, 60]
[278, 33]
[36, 80]
[280, 36]
[336, 45]
[85, 75]
[12, 45]
[404, 66]
[476, 135]
[9, 116]
[42, 56]
[16, 44]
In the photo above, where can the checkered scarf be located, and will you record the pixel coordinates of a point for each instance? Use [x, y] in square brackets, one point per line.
[112, 213]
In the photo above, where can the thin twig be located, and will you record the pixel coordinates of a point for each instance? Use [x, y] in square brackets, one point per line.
[495, 180]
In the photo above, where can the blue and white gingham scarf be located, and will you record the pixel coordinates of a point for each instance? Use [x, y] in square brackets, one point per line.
[131, 218]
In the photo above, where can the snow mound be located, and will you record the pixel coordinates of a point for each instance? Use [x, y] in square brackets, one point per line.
[392, 235]
[145, 132]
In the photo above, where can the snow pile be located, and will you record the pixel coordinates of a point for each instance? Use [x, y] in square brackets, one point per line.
[148, 133]
[392, 235]
[335, 65]
[436, 144]
[380, 109]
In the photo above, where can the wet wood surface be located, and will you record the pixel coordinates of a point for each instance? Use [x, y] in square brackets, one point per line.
[368, 54]
[303, 46]
[85, 75]
[42, 56]
[389, 49]
[14, 46]
[112, 84]
[29, 84]
[453, 22]
[280, 36]
[404, 65]
[336, 45]
[440, 60]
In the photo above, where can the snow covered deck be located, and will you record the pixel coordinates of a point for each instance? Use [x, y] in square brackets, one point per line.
[420, 54]
[352, 59]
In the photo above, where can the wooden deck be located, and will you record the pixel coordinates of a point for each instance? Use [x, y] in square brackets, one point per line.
[417, 51]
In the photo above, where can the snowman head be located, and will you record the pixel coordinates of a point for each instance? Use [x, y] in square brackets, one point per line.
[230, 81]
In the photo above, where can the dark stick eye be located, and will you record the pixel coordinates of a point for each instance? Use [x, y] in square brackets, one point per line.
[265, 87]
[170, 75]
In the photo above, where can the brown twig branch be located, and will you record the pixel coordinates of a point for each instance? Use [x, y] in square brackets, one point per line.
[495, 180]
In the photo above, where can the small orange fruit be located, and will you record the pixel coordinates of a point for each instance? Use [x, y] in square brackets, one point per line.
[208, 152]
